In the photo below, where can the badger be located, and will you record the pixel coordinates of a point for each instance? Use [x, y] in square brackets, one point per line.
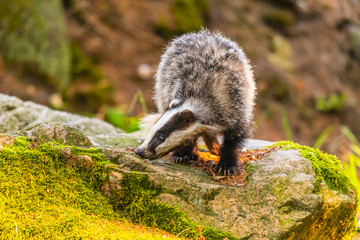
[204, 87]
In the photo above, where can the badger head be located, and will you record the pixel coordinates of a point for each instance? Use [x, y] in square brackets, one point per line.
[173, 128]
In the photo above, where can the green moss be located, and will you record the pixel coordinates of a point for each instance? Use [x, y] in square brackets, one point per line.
[30, 178]
[136, 201]
[45, 194]
[43, 197]
[189, 15]
[58, 132]
[326, 166]
[210, 195]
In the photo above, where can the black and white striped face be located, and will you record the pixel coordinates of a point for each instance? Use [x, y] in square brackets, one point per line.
[172, 129]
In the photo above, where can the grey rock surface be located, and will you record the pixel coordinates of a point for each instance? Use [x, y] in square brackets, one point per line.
[282, 199]
[16, 114]
[55, 131]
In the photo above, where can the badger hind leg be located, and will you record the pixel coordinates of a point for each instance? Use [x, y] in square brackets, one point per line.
[212, 143]
[229, 160]
[185, 153]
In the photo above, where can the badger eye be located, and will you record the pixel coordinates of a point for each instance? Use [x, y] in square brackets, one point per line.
[160, 138]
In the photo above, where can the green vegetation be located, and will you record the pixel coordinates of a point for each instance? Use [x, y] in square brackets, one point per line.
[121, 120]
[323, 136]
[42, 197]
[333, 103]
[353, 162]
[280, 55]
[45, 194]
[189, 15]
[351, 166]
[286, 124]
[279, 20]
[136, 201]
[279, 89]
[162, 28]
[327, 167]
[81, 66]
[89, 89]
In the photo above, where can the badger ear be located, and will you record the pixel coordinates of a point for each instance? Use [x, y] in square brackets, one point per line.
[147, 123]
[174, 103]
[187, 115]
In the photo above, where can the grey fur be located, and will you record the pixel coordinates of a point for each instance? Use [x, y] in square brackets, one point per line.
[211, 71]
[210, 75]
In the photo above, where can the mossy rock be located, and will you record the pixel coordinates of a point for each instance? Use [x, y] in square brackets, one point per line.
[50, 190]
[44, 194]
[327, 167]
[33, 39]
[285, 198]
[293, 192]
[58, 132]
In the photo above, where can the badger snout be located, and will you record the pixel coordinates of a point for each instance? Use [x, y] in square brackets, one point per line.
[139, 152]
[145, 153]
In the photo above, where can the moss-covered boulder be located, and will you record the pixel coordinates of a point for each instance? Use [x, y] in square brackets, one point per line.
[33, 38]
[292, 192]
[49, 191]
[57, 132]
[284, 199]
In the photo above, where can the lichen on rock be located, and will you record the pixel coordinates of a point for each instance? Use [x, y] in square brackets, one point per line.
[327, 167]
[292, 192]
[58, 132]
[68, 182]
[41, 196]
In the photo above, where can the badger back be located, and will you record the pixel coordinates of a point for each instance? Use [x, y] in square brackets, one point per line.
[212, 69]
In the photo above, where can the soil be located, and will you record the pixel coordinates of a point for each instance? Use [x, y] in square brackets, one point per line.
[207, 162]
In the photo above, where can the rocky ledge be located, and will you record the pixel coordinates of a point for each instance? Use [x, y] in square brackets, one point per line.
[292, 192]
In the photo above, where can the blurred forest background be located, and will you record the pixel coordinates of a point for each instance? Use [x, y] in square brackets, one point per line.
[98, 58]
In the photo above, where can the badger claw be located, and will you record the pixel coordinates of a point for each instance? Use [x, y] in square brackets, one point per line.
[174, 159]
[181, 158]
[178, 160]
[226, 171]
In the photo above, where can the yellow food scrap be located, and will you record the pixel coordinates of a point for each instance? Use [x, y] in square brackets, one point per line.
[207, 156]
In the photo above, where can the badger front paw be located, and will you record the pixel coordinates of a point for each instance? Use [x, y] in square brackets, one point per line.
[227, 167]
[181, 156]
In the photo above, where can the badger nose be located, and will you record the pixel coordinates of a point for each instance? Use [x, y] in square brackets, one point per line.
[139, 152]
